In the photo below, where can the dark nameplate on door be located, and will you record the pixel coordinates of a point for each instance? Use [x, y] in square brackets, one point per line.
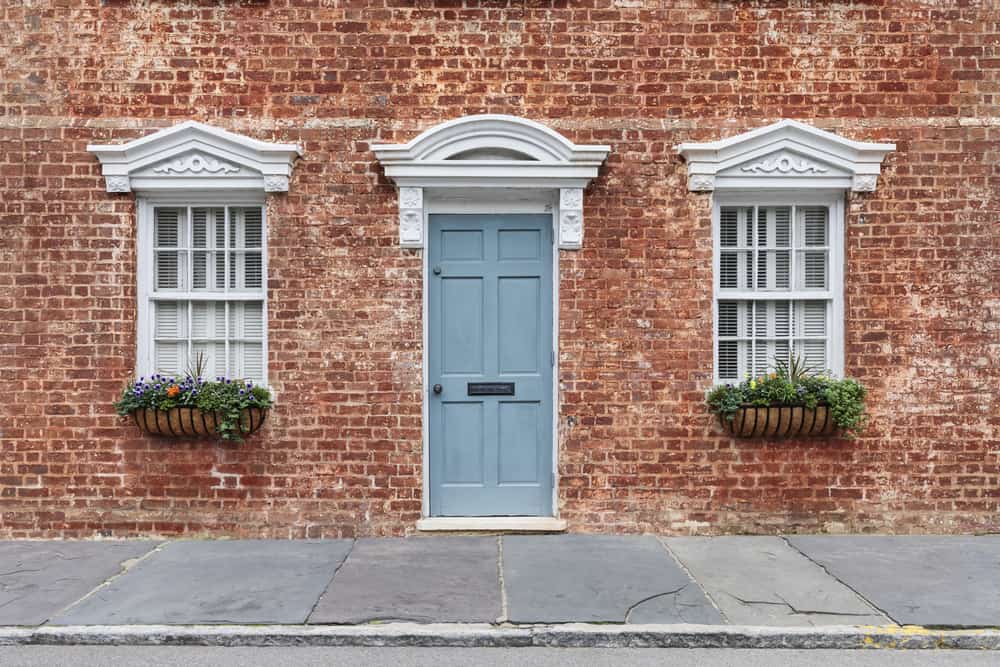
[491, 389]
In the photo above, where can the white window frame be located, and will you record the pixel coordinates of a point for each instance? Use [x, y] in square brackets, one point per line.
[145, 263]
[193, 165]
[786, 163]
[834, 201]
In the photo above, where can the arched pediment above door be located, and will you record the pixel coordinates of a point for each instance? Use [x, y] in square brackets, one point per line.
[490, 151]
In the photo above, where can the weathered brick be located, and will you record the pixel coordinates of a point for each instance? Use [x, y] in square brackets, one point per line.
[342, 455]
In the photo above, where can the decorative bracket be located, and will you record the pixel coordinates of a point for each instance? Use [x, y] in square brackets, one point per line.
[570, 218]
[411, 217]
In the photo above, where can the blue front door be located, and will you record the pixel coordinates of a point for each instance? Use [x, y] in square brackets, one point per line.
[490, 359]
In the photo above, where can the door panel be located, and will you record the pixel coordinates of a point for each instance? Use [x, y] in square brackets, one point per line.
[490, 321]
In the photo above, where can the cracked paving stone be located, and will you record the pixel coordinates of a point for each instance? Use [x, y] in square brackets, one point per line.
[239, 581]
[763, 581]
[598, 578]
[40, 578]
[419, 579]
[917, 579]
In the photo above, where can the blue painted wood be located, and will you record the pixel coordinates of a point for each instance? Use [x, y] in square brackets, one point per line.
[490, 320]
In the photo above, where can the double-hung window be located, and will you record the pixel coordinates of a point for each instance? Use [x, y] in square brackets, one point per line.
[778, 283]
[202, 245]
[202, 288]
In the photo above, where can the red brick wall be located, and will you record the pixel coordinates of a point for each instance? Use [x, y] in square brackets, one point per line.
[342, 453]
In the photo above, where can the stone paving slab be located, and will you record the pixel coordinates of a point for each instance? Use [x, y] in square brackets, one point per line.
[763, 581]
[919, 580]
[598, 578]
[40, 578]
[422, 579]
[245, 581]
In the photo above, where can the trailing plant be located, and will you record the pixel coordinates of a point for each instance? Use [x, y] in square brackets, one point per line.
[793, 383]
[225, 397]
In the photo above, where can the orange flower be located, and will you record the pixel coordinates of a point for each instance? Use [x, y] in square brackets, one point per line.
[173, 390]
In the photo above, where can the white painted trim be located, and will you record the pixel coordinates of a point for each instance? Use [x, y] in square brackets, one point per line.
[834, 199]
[193, 156]
[519, 524]
[145, 293]
[487, 201]
[508, 152]
[786, 154]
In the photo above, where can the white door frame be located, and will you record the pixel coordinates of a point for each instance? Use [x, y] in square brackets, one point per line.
[489, 201]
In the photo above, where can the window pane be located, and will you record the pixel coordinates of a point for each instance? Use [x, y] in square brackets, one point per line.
[246, 361]
[169, 319]
[812, 269]
[774, 226]
[728, 319]
[773, 267]
[252, 228]
[167, 270]
[253, 270]
[813, 354]
[728, 228]
[729, 360]
[814, 223]
[246, 320]
[213, 358]
[167, 227]
[169, 358]
[208, 319]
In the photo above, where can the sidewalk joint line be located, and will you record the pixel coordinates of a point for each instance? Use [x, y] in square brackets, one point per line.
[124, 567]
[694, 580]
[503, 585]
[329, 583]
[839, 581]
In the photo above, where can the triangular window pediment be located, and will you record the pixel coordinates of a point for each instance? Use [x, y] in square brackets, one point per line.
[785, 155]
[195, 156]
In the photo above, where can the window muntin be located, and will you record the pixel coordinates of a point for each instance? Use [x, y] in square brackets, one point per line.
[775, 287]
[207, 292]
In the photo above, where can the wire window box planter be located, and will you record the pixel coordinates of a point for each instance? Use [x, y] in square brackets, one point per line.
[191, 407]
[781, 421]
[187, 422]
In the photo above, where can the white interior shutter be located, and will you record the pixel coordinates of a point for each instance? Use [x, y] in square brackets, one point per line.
[170, 344]
[812, 334]
[728, 350]
[199, 239]
[813, 234]
[167, 235]
[246, 349]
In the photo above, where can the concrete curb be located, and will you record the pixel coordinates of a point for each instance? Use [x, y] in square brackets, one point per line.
[575, 635]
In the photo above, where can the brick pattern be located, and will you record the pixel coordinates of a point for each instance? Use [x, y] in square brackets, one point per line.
[341, 455]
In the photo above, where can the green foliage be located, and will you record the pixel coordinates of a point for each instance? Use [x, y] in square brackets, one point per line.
[795, 384]
[225, 397]
[847, 404]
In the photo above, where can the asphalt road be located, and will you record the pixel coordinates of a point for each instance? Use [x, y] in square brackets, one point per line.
[192, 656]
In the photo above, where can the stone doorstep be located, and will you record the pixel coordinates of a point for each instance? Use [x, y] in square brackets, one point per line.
[492, 524]
[571, 635]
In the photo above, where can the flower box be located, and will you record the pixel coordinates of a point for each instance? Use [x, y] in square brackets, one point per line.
[191, 407]
[186, 422]
[781, 421]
